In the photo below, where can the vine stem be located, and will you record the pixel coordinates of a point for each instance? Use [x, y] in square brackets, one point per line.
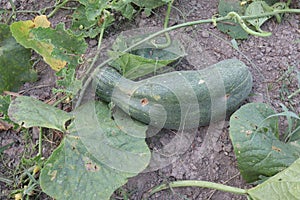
[57, 7]
[294, 94]
[13, 13]
[167, 19]
[165, 30]
[99, 45]
[40, 152]
[203, 184]
[166, 24]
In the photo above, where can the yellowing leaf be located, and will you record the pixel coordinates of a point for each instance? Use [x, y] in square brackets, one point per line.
[21, 32]
[41, 21]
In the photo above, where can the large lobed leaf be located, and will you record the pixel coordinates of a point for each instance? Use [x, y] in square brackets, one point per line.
[231, 27]
[4, 105]
[96, 157]
[66, 46]
[257, 8]
[57, 46]
[30, 112]
[21, 32]
[256, 144]
[284, 185]
[144, 59]
[89, 16]
[149, 4]
[15, 66]
[81, 25]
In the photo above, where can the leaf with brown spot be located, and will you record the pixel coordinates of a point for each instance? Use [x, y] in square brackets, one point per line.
[30, 112]
[96, 157]
[258, 150]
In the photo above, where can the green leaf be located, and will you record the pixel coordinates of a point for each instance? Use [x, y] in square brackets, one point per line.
[94, 8]
[15, 66]
[66, 46]
[295, 136]
[149, 4]
[145, 59]
[271, 2]
[125, 8]
[67, 79]
[4, 104]
[256, 8]
[97, 157]
[85, 27]
[30, 112]
[284, 185]
[82, 26]
[256, 144]
[231, 27]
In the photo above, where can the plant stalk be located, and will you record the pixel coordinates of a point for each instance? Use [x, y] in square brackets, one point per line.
[57, 7]
[167, 19]
[40, 152]
[203, 184]
[294, 94]
[13, 13]
[90, 77]
[98, 47]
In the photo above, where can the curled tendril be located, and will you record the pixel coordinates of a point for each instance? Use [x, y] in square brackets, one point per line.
[237, 18]
[214, 20]
[162, 45]
[279, 6]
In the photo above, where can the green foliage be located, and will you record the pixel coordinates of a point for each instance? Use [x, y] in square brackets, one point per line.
[96, 152]
[88, 18]
[21, 31]
[125, 8]
[229, 26]
[57, 46]
[99, 154]
[15, 66]
[68, 82]
[66, 46]
[255, 136]
[29, 112]
[284, 185]
[238, 28]
[93, 9]
[144, 59]
[82, 25]
[4, 104]
[256, 8]
[149, 4]
[87, 26]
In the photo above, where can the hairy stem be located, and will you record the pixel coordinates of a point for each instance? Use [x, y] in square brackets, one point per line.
[57, 7]
[98, 47]
[90, 78]
[40, 152]
[294, 94]
[13, 12]
[167, 19]
[166, 24]
[203, 184]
